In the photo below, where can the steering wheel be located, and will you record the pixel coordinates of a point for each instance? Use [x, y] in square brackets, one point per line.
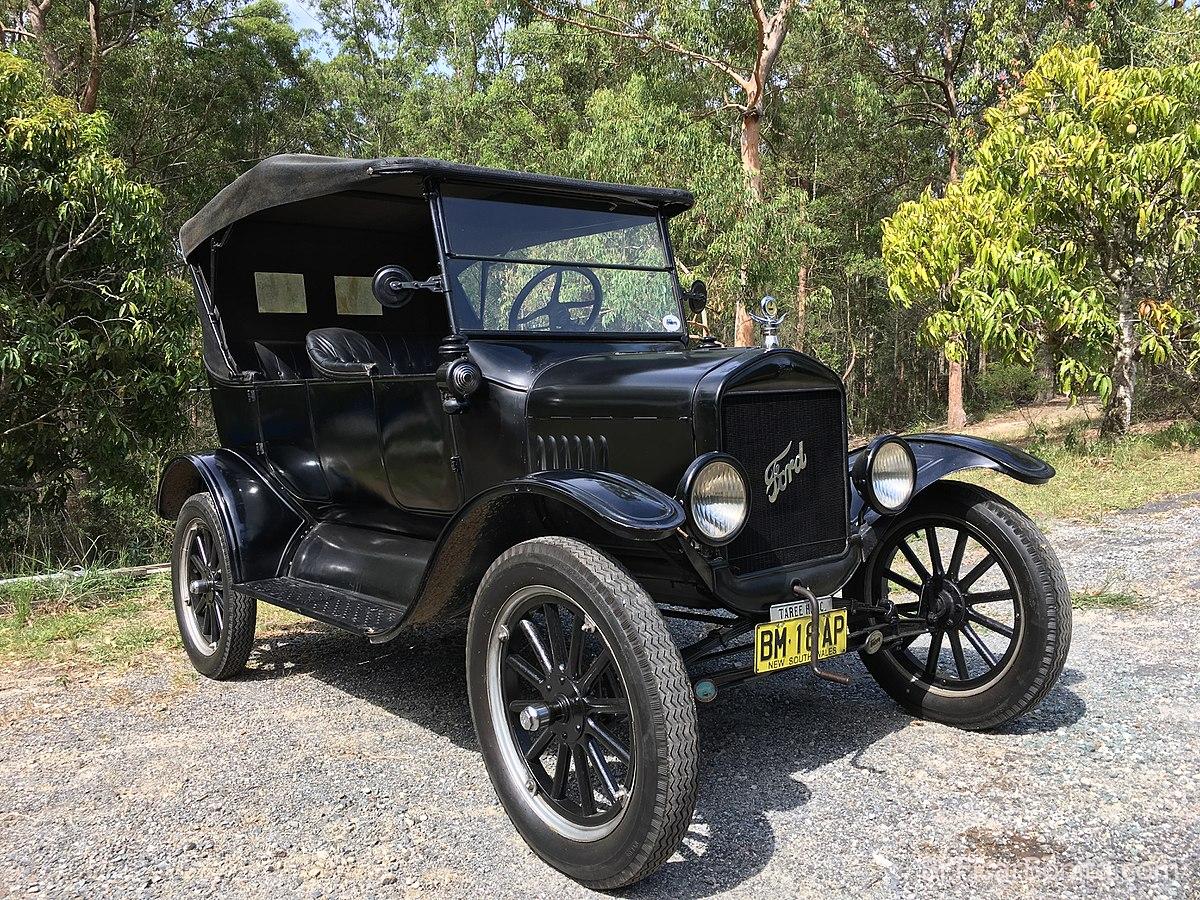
[557, 312]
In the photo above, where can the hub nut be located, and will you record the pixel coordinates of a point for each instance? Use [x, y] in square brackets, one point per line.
[535, 716]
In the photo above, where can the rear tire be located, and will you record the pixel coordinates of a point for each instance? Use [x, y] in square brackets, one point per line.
[1029, 599]
[215, 622]
[535, 602]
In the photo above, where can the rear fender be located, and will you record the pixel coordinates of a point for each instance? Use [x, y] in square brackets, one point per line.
[588, 505]
[261, 525]
[939, 455]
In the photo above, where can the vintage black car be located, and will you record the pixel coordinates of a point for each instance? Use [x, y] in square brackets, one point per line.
[445, 391]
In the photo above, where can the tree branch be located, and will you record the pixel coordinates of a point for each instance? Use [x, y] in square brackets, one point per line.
[624, 30]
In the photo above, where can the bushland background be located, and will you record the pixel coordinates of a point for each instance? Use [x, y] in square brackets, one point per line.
[963, 206]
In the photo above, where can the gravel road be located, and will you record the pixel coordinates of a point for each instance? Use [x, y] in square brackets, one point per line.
[341, 770]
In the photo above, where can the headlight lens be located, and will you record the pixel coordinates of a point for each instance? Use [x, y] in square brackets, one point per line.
[718, 501]
[892, 475]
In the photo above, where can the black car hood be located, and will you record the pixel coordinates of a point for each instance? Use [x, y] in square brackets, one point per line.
[659, 384]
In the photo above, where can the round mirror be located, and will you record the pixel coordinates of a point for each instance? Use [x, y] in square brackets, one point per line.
[390, 286]
[697, 296]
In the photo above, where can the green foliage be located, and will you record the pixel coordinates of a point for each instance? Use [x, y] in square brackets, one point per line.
[862, 115]
[1106, 597]
[1080, 205]
[92, 365]
[1005, 385]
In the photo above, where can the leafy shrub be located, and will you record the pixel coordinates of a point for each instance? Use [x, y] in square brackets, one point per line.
[1005, 385]
[93, 363]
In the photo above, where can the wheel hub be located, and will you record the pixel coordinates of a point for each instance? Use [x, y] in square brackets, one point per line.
[942, 602]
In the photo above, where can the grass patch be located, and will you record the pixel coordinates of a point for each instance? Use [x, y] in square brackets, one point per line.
[1105, 598]
[89, 619]
[99, 620]
[1098, 477]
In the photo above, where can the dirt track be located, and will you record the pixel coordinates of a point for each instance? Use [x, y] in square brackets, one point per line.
[337, 769]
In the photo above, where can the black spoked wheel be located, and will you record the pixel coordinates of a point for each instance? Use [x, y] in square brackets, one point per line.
[203, 587]
[584, 711]
[945, 573]
[977, 582]
[216, 622]
[554, 682]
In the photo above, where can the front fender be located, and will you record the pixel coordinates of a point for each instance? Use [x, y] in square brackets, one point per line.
[260, 523]
[575, 503]
[939, 455]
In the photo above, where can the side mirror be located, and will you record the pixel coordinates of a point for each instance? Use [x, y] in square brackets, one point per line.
[392, 286]
[697, 296]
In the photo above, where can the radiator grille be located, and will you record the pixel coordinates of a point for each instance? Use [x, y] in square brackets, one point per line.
[808, 519]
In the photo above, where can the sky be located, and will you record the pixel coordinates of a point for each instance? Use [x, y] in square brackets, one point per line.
[303, 19]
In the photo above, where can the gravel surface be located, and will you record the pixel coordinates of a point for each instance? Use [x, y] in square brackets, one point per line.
[337, 769]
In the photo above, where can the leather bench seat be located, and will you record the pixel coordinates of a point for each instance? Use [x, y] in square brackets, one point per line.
[343, 351]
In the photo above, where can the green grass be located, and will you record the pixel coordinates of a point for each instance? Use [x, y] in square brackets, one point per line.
[98, 620]
[1105, 598]
[94, 618]
[1098, 477]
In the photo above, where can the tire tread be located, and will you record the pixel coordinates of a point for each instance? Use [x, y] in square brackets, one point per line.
[241, 610]
[673, 707]
[1051, 591]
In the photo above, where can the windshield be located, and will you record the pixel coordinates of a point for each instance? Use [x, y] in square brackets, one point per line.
[533, 268]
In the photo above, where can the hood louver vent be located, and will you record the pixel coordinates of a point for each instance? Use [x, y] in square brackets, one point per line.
[561, 451]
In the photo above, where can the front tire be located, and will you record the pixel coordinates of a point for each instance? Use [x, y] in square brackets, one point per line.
[216, 622]
[584, 711]
[978, 576]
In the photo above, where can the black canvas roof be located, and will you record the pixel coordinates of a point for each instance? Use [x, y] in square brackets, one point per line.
[292, 177]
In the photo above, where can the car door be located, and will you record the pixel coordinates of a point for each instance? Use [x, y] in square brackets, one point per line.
[417, 443]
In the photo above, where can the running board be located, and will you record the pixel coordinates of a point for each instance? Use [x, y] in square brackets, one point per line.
[356, 613]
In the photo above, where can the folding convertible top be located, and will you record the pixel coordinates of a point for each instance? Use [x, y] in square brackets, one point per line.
[290, 177]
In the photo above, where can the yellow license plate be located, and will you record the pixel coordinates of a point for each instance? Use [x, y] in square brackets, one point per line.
[781, 645]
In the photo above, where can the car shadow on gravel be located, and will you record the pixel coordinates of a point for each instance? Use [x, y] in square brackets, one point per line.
[758, 741]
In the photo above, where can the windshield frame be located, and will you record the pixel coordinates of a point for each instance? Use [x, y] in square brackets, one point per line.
[563, 201]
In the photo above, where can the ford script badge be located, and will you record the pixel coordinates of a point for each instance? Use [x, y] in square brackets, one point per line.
[782, 468]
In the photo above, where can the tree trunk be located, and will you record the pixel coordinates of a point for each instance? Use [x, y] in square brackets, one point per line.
[1119, 414]
[956, 415]
[1045, 364]
[91, 89]
[751, 138]
[801, 306]
[751, 152]
[38, 11]
[743, 327]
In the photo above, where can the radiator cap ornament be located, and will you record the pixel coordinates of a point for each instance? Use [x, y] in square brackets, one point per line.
[770, 319]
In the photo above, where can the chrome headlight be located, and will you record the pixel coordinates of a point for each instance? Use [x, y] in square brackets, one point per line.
[886, 475]
[715, 495]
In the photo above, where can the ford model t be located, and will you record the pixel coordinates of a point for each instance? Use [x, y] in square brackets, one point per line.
[445, 391]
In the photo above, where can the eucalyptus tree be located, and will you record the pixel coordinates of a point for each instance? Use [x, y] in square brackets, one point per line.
[737, 43]
[197, 90]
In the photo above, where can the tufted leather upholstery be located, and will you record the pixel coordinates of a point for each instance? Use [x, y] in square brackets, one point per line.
[344, 352]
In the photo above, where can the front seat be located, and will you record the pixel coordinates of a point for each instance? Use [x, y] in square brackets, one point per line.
[342, 353]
